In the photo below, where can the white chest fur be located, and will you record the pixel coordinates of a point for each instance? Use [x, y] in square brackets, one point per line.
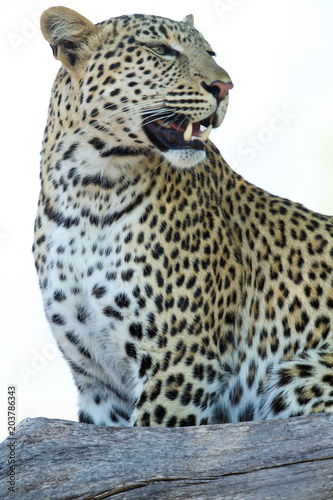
[92, 300]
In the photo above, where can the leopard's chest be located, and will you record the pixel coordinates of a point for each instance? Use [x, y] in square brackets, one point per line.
[93, 295]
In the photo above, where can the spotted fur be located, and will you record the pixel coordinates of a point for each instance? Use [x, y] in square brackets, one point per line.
[178, 293]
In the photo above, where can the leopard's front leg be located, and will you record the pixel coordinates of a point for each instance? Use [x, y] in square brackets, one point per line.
[173, 398]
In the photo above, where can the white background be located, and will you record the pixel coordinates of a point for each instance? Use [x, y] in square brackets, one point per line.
[277, 134]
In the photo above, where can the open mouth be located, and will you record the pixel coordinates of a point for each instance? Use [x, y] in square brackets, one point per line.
[178, 134]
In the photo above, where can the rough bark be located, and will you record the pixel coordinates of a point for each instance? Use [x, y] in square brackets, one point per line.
[281, 459]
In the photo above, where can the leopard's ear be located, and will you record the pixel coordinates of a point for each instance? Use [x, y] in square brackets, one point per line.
[189, 20]
[68, 33]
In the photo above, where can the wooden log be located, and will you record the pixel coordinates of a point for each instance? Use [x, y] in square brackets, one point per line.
[281, 459]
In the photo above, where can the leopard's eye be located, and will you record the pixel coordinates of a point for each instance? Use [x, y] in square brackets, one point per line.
[164, 50]
[161, 50]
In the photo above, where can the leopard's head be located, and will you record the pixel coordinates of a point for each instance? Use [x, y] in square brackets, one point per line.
[140, 82]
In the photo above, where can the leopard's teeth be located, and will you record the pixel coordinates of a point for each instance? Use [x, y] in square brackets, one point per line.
[205, 134]
[188, 132]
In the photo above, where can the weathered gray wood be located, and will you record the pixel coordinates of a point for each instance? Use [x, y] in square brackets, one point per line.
[282, 459]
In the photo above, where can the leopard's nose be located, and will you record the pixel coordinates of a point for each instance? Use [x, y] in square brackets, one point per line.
[218, 89]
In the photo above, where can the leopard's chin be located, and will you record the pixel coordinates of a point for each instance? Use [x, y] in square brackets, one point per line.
[184, 158]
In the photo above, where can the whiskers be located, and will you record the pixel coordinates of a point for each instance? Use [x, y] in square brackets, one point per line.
[150, 109]
[130, 118]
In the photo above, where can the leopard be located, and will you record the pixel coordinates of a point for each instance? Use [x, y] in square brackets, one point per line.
[178, 293]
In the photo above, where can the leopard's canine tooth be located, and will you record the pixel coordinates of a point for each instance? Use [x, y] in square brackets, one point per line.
[205, 134]
[188, 132]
